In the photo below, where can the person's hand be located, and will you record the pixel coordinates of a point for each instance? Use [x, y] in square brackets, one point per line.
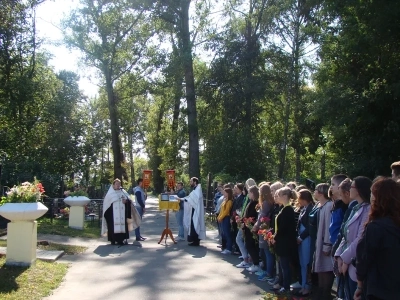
[340, 263]
[124, 201]
[345, 267]
[299, 240]
[357, 294]
[273, 241]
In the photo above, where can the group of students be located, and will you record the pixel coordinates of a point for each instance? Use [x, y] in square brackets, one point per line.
[348, 230]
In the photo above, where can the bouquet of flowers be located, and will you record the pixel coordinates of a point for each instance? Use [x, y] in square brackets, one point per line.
[249, 223]
[27, 192]
[239, 221]
[268, 236]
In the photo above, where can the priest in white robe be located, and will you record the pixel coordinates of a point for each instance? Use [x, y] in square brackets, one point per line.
[119, 215]
[194, 214]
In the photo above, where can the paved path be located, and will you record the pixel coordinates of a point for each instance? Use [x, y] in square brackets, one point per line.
[147, 270]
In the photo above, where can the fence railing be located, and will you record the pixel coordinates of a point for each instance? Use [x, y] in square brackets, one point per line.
[93, 210]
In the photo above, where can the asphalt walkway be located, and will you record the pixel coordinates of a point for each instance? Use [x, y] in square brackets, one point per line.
[148, 270]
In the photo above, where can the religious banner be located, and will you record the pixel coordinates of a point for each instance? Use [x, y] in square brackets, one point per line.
[147, 178]
[171, 179]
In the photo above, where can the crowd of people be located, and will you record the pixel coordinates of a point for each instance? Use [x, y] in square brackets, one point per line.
[348, 232]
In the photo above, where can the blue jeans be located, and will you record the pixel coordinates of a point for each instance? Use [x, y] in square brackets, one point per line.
[270, 262]
[240, 243]
[350, 287]
[179, 220]
[137, 230]
[284, 262]
[304, 258]
[226, 232]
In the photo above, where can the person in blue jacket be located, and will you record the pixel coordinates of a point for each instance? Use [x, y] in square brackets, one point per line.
[339, 207]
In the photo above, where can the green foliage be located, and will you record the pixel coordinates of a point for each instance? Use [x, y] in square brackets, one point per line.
[358, 81]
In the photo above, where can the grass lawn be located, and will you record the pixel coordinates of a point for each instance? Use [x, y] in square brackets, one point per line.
[60, 227]
[35, 282]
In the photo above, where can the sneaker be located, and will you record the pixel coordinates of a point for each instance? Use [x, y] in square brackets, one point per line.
[264, 277]
[281, 291]
[226, 251]
[276, 287]
[273, 281]
[295, 285]
[253, 268]
[240, 257]
[261, 272]
[243, 264]
[181, 239]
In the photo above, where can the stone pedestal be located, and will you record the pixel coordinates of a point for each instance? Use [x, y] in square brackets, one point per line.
[76, 217]
[22, 231]
[21, 243]
[77, 210]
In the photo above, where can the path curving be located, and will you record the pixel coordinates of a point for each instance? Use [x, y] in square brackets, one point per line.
[148, 270]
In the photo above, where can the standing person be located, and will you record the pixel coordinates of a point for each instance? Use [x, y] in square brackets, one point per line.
[224, 218]
[272, 264]
[353, 229]
[322, 258]
[266, 203]
[378, 260]
[180, 192]
[344, 189]
[303, 239]
[194, 213]
[119, 216]
[338, 209]
[236, 209]
[285, 236]
[239, 236]
[250, 214]
[395, 170]
[140, 204]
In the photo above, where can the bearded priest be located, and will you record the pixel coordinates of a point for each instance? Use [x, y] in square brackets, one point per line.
[120, 215]
[193, 218]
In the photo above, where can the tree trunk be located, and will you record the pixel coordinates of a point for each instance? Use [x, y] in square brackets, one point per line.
[132, 167]
[158, 179]
[119, 170]
[194, 160]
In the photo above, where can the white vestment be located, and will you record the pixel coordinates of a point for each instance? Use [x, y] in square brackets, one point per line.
[115, 197]
[195, 201]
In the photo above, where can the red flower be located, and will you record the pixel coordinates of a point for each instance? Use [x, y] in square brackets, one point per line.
[265, 219]
[40, 187]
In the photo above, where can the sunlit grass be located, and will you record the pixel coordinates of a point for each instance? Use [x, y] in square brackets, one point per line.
[35, 282]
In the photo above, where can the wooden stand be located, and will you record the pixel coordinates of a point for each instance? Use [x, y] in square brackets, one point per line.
[167, 231]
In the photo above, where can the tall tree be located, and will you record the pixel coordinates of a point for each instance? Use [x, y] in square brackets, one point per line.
[359, 84]
[295, 26]
[177, 13]
[112, 36]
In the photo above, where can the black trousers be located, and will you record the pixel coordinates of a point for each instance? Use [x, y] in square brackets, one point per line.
[193, 237]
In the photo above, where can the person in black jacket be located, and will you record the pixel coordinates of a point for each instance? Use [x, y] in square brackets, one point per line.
[377, 256]
[285, 235]
[236, 209]
[303, 239]
[250, 240]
